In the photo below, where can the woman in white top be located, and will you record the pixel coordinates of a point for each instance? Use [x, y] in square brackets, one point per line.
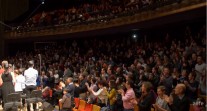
[101, 94]
[20, 81]
[93, 86]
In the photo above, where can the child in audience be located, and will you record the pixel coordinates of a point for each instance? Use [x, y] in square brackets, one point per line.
[66, 101]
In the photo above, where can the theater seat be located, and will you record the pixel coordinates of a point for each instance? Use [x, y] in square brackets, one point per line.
[77, 101]
[82, 105]
[96, 108]
[88, 107]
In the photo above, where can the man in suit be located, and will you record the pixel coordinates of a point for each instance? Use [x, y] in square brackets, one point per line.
[70, 86]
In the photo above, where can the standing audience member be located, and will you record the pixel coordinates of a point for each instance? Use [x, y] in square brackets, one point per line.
[20, 83]
[101, 94]
[93, 86]
[166, 80]
[56, 76]
[112, 94]
[179, 101]
[82, 87]
[76, 91]
[30, 75]
[191, 87]
[2, 70]
[51, 80]
[70, 86]
[128, 96]
[161, 104]
[199, 68]
[66, 101]
[147, 98]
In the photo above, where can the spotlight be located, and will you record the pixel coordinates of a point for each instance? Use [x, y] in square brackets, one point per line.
[134, 36]
[43, 2]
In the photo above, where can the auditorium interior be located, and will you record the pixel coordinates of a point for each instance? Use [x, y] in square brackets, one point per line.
[103, 55]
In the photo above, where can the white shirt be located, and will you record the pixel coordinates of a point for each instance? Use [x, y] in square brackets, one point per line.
[30, 75]
[56, 76]
[20, 83]
[199, 68]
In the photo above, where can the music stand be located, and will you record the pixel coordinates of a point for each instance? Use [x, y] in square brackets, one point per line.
[35, 97]
[13, 102]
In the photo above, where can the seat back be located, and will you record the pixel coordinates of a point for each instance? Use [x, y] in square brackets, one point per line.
[96, 108]
[82, 105]
[88, 107]
[13, 97]
[36, 94]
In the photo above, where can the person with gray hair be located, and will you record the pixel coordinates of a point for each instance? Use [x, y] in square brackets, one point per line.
[179, 101]
[70, 86]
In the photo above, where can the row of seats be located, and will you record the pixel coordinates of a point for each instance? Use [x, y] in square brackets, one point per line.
[81, 105]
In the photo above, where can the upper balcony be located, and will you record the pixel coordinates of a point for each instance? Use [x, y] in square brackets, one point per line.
[132, 16]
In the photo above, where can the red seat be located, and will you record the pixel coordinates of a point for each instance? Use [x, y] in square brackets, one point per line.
[77, 102]
[88, 107]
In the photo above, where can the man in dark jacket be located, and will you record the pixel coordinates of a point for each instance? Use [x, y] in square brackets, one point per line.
[82, 87]
[70, 86]
[147, 98]
[179, 101]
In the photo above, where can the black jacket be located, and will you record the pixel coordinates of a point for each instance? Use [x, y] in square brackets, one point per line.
[180, 104]
[146, 103]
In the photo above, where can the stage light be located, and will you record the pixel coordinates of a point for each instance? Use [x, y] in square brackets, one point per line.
[134, 35]
[43, 2]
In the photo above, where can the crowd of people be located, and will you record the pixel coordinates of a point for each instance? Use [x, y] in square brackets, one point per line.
[85, 13]
[117, 74]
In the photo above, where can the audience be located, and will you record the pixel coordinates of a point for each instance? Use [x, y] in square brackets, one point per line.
[92, 70]
[86, 13]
